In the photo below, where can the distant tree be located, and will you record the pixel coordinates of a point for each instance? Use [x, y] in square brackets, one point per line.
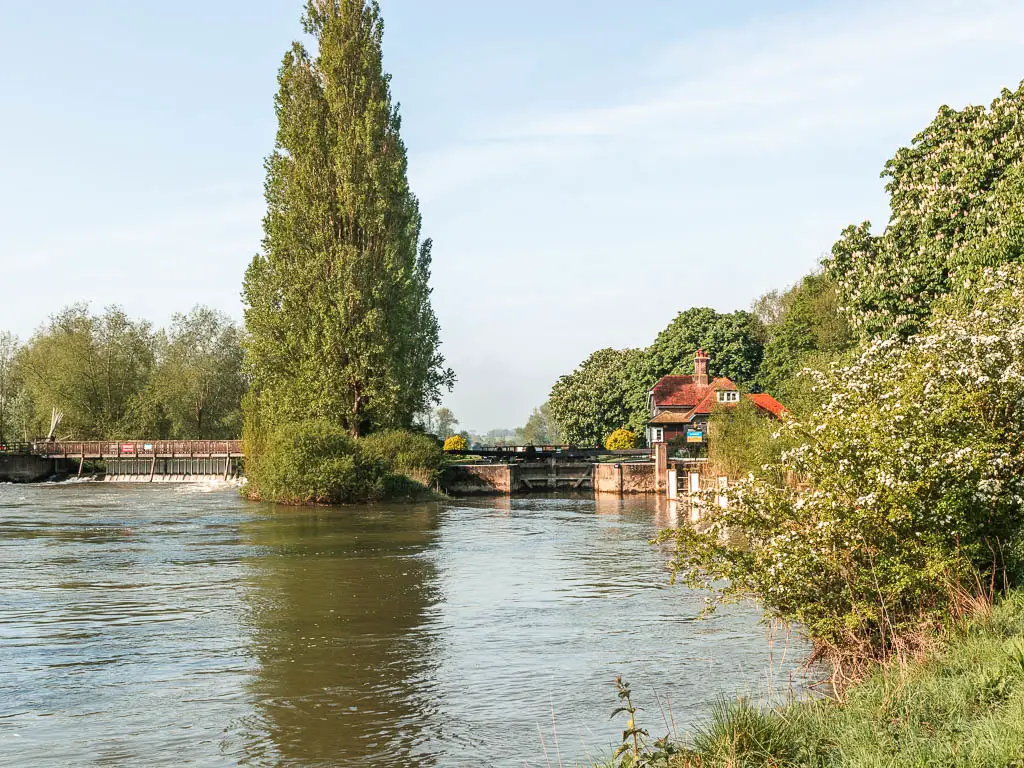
[607, 390]
[540, 428]
[955, 196]
[337, 305]
[769, 309]
[199, 380]
[734, 342]
[445, 422]
[10, 384]
[95, 368]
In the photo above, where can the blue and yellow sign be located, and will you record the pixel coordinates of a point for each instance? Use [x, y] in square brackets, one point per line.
[694, 436]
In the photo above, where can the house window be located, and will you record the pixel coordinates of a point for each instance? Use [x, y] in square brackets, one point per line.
[657, 435]
[728, 396]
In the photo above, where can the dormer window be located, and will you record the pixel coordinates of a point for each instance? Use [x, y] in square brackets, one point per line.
[728, 396]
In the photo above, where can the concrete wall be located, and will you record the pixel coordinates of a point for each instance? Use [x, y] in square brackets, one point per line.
[471, 479]
[608, 478]
[638, 478]
[624, 478]
[29, 469]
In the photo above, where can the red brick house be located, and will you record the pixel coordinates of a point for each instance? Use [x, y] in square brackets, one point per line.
[680, 405]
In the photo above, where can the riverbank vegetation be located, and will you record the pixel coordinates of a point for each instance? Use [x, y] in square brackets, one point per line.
[114, 377]
[886, 516]
[317, 462]
[962, 704]
[342, 345]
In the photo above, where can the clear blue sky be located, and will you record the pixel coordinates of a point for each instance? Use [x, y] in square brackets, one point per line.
[590, 166]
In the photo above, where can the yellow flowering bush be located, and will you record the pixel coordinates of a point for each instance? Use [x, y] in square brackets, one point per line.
[620, 440]
[455, 443]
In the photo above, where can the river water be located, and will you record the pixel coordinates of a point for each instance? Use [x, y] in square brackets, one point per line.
[161, 625]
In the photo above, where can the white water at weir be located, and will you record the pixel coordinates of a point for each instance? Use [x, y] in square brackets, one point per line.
[151, 624]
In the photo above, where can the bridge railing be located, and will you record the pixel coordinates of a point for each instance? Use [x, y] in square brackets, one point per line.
[100, 449]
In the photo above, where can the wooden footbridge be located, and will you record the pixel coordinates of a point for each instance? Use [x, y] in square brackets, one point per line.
[148, 460]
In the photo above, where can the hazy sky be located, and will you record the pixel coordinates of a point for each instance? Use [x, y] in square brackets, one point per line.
[587, 168]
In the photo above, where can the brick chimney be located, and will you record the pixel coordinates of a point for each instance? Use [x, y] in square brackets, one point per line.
[700, 368]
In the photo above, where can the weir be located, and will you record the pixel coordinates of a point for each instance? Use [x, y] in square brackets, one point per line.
[147, 461]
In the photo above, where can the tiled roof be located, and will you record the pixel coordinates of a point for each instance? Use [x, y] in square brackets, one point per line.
[768, 403]
[708, 402]
[683, 392]
[673, 417]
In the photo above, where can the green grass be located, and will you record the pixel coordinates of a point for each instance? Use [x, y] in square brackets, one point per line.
[963, 705]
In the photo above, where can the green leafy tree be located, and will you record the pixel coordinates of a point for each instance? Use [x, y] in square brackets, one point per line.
[445, 422]
[95, 369]
[10, 385]
[607, 390]
[810, 331]
[337, 306]
[198, 381]
[540, 428]
[734, 341]
[955, 197]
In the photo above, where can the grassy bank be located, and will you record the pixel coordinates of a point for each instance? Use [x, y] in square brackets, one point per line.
[962, 704]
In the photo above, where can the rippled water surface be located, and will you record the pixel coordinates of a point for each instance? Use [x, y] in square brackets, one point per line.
[162, 625]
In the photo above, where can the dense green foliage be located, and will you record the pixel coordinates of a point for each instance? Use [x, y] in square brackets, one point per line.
[337, 306]
[912, 487]
[198, 380]
[956, 195]
[733, 342]
[540, 428]
[415, 456]
[809, 330]
[114, 377]
[93, 367]
[607, 390]
[317, 462]
[742, 439]
[901, 486]
[962, 706]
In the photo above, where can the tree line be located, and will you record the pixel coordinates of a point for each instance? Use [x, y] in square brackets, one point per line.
[760, 350]
[114, 377]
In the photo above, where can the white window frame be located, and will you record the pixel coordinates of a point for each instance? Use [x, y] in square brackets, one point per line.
[728, 396]
[657, 435]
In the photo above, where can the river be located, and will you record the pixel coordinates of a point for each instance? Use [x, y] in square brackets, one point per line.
[161, 625]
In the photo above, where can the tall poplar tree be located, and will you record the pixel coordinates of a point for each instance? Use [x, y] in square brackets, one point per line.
[340, 324]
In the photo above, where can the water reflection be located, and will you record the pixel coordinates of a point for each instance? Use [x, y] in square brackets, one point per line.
[148, 625]
[337, 610]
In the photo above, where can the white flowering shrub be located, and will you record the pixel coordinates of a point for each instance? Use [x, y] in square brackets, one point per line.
[955, 196]
[911, 486]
